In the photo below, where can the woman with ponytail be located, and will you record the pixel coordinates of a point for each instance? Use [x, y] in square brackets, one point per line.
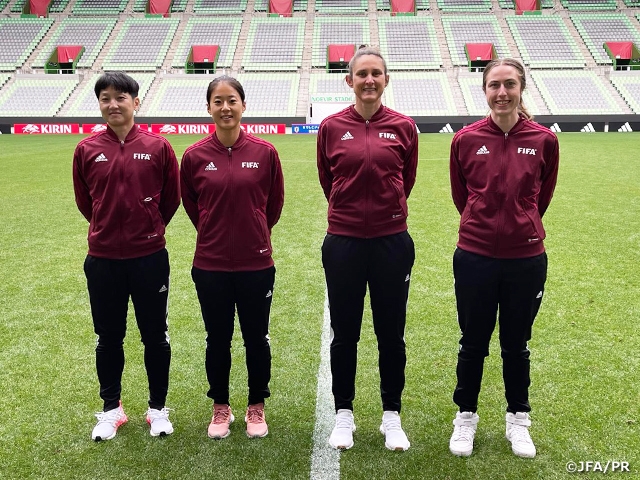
[503, 172]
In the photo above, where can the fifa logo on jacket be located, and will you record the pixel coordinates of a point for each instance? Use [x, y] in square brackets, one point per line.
[250, 164]
[142, 156]
[527, 151]
[391, 136]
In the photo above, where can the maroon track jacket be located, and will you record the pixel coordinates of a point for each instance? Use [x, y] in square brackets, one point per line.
[367, 169]
[502, 184]
[128, 191]
[234, 197]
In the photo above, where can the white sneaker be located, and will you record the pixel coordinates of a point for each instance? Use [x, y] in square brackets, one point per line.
[394, 436]
[518, 434]
[108, 423]
[342, 434]
[159, 422]
[464, 431]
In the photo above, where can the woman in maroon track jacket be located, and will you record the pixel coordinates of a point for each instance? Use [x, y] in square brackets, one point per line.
[233, 192]
[503, 172]
[367, 158]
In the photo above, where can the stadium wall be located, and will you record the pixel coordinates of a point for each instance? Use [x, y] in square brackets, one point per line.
[448, 124]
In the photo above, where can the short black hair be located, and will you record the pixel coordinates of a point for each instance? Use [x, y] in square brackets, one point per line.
[120, 81]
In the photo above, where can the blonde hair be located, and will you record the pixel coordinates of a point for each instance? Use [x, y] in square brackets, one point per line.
[510, 62]
[366, 50]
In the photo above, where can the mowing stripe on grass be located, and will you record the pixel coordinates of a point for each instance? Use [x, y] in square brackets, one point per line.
[325, 461]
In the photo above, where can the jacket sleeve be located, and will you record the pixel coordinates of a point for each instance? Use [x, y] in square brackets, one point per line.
[410, 162]
[276, 192]
[80, 187]
[170, 199]
[188, 193]
[459, 190]
[324, 168]
[549, 177]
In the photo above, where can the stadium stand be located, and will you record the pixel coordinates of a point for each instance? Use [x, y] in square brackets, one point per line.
[512, 4]
[221, 31]
[476, 101]
[385, 5]
[409, 43]
[597, 28]
[590, 4]
[322, 83]
[572, 92]
[274, 44]
[179, 5]
[142, 44]
[220, 6]
[19, 37]
[464, 5]
[337, 30]
[545, 42]
[266, 96]
[56, 6]
[36, 95]
[85, 103]
[298, 5]
[341, 6]
[99, 7]
[461, 29]
[628, 84]
[17, 6]
[91, 33]
[4, 77]
[420, 94]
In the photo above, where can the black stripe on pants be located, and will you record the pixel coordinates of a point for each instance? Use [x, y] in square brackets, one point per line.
[384, 264]
[511, 290]
[219, 294]
[110, 283]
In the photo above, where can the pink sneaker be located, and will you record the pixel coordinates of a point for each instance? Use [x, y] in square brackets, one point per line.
[108, 423]
[256, 424]
[222, 418]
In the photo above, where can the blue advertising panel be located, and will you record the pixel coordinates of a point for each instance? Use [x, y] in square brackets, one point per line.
[304, 128]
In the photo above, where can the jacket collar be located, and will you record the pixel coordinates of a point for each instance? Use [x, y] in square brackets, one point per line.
[516, 128]
[241, 140]
[376, 116]
[131, 135]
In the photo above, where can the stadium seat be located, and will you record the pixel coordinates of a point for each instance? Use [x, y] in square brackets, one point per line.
[91, 33]
[221, 31]
[51, 91]
[598, 28]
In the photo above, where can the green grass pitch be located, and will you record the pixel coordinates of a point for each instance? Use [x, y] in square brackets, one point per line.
[585, 389]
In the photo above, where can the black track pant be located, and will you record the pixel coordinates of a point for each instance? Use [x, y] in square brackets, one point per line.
[384, 265]
[219, 294]
[511, 290]
[110, 284]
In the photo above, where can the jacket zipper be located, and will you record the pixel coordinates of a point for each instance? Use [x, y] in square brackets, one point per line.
[502, 182]
[368, 169]
[120, 195]
[231, 204]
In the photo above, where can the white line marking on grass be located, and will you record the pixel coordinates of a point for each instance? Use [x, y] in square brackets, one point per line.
[325, 461]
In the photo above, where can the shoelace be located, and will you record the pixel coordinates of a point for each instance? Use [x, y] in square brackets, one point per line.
[110, 416]
[343, 422]
[520, 434]
[392, 424]
[255, 415]
[463, 433]
[221, 416]
[154, 414]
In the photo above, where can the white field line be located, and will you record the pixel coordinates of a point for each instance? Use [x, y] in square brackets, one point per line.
[325, 461]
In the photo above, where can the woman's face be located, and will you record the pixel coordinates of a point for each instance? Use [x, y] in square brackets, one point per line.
[226, 107]
[368, 80]
[503, 90]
